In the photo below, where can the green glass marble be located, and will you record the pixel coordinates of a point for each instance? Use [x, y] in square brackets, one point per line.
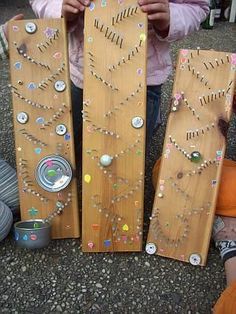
[196, 157]
[51, 173]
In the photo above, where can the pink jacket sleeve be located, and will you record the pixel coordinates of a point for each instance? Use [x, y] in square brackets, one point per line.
[46, 8]
[185, 17]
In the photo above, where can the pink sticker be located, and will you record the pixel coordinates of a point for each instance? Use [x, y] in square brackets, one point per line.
[177, 96]
[15, 28]
[90, 245]
[162, 181]
[183, 60]
[49, 163]
[218, 158]
[182, 257]
[184, 52]
[169, 145]
[33, 237]
[124, 238]
[233, 58]
[57, 55]
[90, 129]
[162, 187]
[161, 250]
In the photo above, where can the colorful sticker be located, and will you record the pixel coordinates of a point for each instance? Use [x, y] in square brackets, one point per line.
[90, 39]
[125, 227]
[18, 65]
[184, 52]
[17, 236]
[138, 152]
[92, 6]
[37, 150]
[162, 181]
[57, 55]
[120, 2]
[139, 71]
[36, 225]
[87, 178]
[124, 238]
[213, 183]
[25, 237]
[183, 60]
[115, 186]
[90, 244]
[40, 120]
[15, 28]
[162, 187]
[142, 37]
[33, 212]
[33, 237]
[50, 32]
[140, 25]
[233, 58]
[107, 243]
[103, 3]
[67, 136]
[49, 163]
[177, 96]
[31, 86]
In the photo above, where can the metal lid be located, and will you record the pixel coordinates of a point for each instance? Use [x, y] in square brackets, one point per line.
[53, 173]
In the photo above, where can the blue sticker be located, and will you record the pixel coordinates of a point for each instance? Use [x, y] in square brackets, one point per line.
[17, 236]
[107, 243]
[32, 85]
[25, 237]
[219, 153]
[40, 120]
[18, 65]
[67, 136]
[92, 6]
[37, 150]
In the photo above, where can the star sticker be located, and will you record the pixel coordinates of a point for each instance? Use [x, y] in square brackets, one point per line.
[50, 32]
[33, 212]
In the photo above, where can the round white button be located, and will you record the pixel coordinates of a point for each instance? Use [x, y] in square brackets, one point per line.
[151, 248]
[61, 129]
[105, 160]
[60, 86]
[137, 122]
[22, 117]
[30, 27]
[195, 259]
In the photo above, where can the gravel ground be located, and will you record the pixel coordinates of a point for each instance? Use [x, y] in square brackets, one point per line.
[61, 279]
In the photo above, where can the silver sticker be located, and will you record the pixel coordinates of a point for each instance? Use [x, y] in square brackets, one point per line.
[22, 117]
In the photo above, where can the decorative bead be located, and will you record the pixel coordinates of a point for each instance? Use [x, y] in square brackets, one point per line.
[106, 160]
[196, 157]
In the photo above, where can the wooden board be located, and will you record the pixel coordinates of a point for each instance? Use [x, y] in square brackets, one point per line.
[186, 190]
[43, 124]
[114, 150]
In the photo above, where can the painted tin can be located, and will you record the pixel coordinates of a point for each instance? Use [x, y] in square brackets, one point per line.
[32, 234]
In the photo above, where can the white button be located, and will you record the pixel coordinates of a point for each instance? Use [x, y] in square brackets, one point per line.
[61, 129]
[151, 248]
[22, 117]
[195, 259]
[137, 122]
[105, 160]
[60, 86]
[30, 28]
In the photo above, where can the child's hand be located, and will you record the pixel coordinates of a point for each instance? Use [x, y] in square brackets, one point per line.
[72, 8]
[158, 12]
[16, 17]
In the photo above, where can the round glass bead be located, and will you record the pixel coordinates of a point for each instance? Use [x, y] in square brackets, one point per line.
[196, 157]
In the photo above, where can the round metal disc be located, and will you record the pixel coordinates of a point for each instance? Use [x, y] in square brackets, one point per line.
[60, 86]
[137, 122]
[151, 248]
[30, 27]
[195, 259]
[22, 117]
[61, 129]
[53, 173]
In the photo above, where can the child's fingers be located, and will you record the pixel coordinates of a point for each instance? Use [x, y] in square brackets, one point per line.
[18, 17]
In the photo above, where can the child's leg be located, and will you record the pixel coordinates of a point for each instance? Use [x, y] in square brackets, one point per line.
[153, 114]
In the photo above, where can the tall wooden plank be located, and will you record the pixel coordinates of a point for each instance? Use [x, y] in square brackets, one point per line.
[114, 126]
[193, 152]
[44, 143]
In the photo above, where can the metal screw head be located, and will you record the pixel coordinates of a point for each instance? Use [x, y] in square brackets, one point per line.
[22, 117]
[61, 129]
[30, 27]
[105, 160]
[137, 122]
[60, 86]
[195, 259]
[151, 248]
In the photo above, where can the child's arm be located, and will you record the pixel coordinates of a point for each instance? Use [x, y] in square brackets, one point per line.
[174, 20]
[55, 9]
